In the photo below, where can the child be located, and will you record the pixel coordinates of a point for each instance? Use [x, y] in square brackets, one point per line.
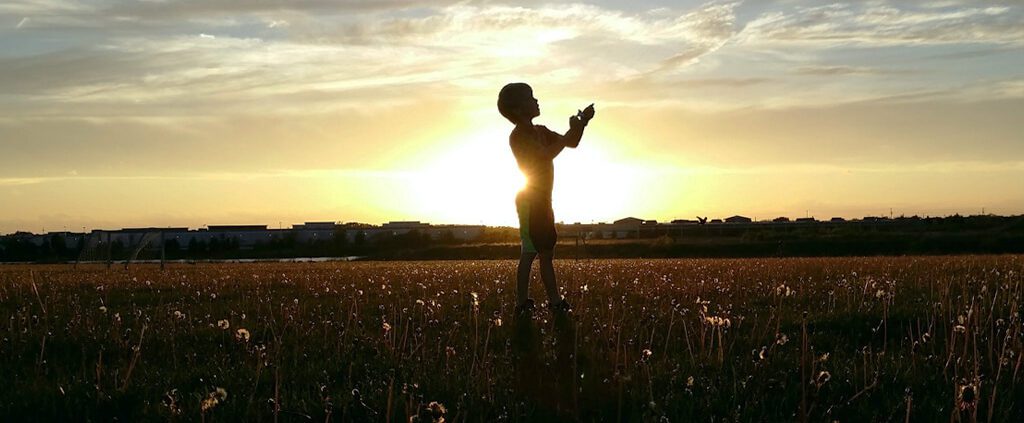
[535, 147]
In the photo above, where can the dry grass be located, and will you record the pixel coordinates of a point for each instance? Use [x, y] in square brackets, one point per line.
[847, 339]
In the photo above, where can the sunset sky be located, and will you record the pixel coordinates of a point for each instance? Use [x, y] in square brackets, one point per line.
[187, 113]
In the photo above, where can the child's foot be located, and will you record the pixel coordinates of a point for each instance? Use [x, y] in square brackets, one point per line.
[562, 306]
[526, 307]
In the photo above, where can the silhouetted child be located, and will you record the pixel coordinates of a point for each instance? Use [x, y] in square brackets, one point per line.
[535, 148]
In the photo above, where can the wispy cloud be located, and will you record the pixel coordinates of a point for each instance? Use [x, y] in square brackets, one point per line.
[882, 24]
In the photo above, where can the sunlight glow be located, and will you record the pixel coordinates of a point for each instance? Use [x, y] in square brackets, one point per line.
[477, 180]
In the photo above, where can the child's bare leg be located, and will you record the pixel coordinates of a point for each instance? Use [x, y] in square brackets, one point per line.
[523, 277]
[547, 274]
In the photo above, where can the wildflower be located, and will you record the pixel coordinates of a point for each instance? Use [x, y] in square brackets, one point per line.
[449, 351]
[386, 326]
[497, 322]
[959, 329]
[822, 378]
[784, 291]
[420, 302]
[179, 315]
[223, 324]
[242, 335]
[475, 301]
[585, 288]
[764, 353]
[103, 309]
[430, 413]
[823, 358]
[689, 382]
[879, 294]
[295, 301]
[781, 339]
[968, 397]
[646, 354]
[218, 396]
[170, 401]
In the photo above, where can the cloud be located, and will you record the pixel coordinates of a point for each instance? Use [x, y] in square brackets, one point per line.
[826, 70]
[208, 59]
[322, 60]
[881, 24]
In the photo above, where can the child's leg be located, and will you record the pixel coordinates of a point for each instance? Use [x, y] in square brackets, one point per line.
[547, 274]
[523, 277]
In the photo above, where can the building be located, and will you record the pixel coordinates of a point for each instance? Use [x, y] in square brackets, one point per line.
[738, 219]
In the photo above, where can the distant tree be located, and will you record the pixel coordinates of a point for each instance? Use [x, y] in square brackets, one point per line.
[172, 246]
[340, 238]
[447, 237]
[360, 239]
[196, 247]
[117, 248]
[59, 246]
[214, 246]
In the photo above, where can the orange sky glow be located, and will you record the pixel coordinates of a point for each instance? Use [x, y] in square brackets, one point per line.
[117, 114]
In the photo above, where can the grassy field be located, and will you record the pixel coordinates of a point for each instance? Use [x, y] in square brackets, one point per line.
[844, 339]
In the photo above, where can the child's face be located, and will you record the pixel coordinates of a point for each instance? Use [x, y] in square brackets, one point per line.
[530, 106]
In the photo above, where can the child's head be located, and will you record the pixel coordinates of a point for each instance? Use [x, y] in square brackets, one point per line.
[516, 102]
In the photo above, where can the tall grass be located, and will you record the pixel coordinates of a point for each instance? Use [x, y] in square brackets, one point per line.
[846, 339]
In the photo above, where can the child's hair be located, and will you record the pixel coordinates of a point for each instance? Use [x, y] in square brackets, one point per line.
[510, 98]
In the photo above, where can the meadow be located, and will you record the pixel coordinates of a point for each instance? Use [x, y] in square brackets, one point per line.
[746, 340]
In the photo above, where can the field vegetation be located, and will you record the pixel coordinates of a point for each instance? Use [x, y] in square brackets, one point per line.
[794, 339]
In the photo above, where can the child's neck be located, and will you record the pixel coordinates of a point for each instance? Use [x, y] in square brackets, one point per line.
[525, 122]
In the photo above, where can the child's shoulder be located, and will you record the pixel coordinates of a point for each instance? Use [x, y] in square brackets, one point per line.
[522, 133]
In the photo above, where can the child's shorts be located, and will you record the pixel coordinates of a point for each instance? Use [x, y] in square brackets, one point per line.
[536, 224]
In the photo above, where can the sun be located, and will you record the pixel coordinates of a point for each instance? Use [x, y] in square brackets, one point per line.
[476, 178]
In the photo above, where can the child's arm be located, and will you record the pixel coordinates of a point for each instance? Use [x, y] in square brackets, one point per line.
[572, 138]
[525, 144]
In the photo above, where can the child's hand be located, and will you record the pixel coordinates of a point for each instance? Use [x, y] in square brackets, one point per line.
[582, 117]
[586, 114]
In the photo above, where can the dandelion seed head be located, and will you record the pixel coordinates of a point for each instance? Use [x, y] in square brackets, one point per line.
[223, 324]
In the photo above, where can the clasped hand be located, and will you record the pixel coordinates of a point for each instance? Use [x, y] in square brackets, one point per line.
[582, 117]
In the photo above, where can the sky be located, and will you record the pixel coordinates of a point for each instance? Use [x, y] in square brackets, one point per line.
[201, 112]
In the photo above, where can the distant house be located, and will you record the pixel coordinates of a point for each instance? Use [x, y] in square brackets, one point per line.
[715, 221]
[805, 220]
[312, 226]
[236, 228]
[738, 219]
[410, 224]
[782, 219]
[684, 222]
[628, 221]
[837, 219]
